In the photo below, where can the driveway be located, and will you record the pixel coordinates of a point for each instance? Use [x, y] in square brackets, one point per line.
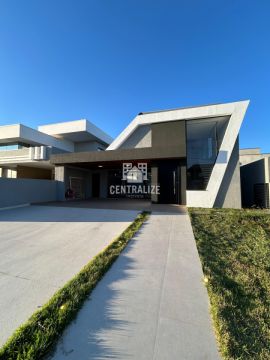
[42, 247]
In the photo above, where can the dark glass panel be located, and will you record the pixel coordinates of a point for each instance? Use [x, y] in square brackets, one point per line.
[204, 138]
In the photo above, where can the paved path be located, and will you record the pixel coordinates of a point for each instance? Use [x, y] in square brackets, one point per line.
[152, 303]
[41, 248]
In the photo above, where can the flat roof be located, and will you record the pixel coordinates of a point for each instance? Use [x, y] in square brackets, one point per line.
[250, 151]
[76, 131]
[21, 133]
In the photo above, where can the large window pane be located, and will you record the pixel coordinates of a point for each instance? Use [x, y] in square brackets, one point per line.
[203, 141]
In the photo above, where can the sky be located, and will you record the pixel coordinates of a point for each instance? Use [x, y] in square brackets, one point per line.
[108, 60]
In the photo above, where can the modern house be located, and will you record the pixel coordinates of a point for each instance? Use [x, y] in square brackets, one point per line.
[26, 152]
[184, 156]
[190, 156]
[255, 178]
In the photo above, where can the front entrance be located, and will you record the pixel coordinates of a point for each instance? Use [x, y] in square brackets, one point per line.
[95, 185]
[169, 181]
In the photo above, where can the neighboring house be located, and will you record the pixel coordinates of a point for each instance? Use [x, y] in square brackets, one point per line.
[255, 178]
[191, 155]
[26, 152]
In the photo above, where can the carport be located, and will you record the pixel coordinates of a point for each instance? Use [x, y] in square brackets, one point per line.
[90, 175]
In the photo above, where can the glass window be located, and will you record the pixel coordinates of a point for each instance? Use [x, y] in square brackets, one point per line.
[15, 146]
[204, 138]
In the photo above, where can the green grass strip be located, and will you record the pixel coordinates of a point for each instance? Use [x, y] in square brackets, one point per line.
[234, 247]
[37, 336]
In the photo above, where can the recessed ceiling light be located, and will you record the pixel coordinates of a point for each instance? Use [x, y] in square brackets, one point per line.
[100, 165]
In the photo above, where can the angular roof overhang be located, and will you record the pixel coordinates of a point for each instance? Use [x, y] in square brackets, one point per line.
[234, 109]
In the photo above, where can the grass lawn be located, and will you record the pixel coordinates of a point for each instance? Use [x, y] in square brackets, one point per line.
[35, 338]
[234, 247]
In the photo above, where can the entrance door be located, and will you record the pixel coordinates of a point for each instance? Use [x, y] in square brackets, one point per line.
[169, 181]
[95, 185]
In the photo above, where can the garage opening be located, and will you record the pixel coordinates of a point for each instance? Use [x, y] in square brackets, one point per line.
[159, 181]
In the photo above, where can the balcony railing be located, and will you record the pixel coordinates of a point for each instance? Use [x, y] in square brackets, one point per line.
[34, 153]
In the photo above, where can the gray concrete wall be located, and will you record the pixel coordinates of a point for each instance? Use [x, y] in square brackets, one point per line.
[169, 134]
[229, 195]
[21, 191]
[140, 138]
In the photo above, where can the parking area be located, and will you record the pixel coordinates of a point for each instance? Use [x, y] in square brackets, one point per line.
[42, 247]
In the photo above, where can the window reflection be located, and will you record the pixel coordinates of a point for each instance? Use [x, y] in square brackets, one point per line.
[12, 146]
[204, 138]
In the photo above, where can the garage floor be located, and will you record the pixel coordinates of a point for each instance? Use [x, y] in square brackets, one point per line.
[42, 247]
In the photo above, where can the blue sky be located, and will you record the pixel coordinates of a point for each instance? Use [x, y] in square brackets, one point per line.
[107, 60]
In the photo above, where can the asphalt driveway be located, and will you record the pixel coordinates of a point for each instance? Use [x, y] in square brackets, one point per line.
[42, 247]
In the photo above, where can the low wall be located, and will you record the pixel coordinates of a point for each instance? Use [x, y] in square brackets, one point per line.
[22, 191]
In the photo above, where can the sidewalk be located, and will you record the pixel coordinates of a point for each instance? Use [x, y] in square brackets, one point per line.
[152, 303]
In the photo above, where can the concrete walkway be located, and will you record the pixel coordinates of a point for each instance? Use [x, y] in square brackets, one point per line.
[152, 303]
[41, 248]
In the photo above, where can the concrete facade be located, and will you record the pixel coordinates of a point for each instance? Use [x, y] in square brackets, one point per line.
[140, 138]
[170, 134]
[229, 195]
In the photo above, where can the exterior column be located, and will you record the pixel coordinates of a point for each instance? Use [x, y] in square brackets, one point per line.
[183, 184]
[154, 177]
[60, 178]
